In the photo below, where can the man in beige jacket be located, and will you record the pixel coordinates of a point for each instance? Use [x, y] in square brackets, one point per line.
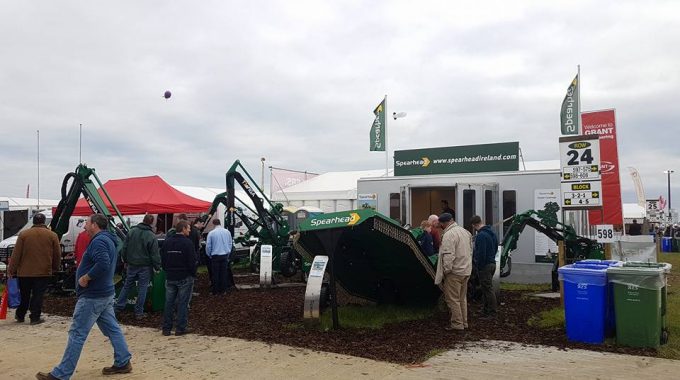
[453, 269]
[36, 256]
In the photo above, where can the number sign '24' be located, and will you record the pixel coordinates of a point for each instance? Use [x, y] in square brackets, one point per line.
[580, 159]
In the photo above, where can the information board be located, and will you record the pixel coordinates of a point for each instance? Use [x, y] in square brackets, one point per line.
[581, 183]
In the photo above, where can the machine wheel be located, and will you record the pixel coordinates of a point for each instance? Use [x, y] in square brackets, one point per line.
[287, 263]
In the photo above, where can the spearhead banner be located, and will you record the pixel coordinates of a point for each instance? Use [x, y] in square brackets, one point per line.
[569, 114]
[377, 135]
[458, 159]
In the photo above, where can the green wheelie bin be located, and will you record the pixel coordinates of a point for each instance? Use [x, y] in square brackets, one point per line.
[155, 293]
[640, 303]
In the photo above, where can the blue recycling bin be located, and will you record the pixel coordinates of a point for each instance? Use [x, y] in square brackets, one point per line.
[667, 244]
[585, 302]
[610, 317]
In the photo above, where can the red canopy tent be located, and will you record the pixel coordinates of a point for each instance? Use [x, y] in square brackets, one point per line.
[141, 195]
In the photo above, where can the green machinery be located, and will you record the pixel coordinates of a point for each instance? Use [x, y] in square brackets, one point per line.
[546, 222]
[81, 184]
[267, 227]
[371, 256]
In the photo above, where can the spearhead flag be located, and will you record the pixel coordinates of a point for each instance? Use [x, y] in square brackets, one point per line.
[377, 135]
[569, 116]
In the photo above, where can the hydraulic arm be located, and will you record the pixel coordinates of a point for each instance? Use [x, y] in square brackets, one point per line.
[82, 184]
[546, 222]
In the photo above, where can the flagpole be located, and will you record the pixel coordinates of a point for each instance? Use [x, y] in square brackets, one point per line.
[578, 94]
[386, 146]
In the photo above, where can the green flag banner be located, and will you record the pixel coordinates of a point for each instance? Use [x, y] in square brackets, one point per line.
[569, 117]
[377, 135]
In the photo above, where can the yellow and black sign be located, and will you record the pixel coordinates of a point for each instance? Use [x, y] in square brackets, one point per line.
[580, 186]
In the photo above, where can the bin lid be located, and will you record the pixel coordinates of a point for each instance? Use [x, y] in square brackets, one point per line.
[612, 263]
[594, 274]
[643, 264]
[645, 277]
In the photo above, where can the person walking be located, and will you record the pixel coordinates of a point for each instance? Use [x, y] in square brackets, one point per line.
[36, 256]
[454, 266]
[140, 254]
[218, 247]
[484, 259]
[178, 258]
[95, 305]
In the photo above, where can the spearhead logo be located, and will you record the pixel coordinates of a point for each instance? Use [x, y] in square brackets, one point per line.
[353, 219]
[426, 162]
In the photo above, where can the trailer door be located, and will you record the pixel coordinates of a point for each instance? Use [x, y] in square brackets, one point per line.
[477, 199]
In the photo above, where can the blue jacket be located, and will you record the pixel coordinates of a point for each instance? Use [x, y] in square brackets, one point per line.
[426, 243]
[486, 246]
[99, 262]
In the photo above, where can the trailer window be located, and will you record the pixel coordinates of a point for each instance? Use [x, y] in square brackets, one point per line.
[395, 206]
[469, 209]
[509, 208]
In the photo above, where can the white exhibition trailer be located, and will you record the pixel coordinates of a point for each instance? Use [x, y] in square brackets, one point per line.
[495, 196]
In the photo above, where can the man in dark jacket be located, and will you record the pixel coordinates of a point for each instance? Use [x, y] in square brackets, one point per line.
[95, 304]
[140, 253]
[36, 256]
[635, 228]
[484, 258]
[179, 262]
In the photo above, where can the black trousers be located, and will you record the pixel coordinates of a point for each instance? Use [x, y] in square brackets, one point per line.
[32, 292]
[222, 277]
[486, 280]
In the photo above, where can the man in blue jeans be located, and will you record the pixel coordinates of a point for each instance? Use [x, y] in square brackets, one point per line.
[95, 304]
[178, 257]
[140, 253]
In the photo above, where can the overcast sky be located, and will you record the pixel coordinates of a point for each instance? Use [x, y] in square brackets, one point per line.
[296, 82]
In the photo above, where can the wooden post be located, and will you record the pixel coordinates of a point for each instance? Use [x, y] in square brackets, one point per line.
[561, 260]
[659, 238]
[608, 251]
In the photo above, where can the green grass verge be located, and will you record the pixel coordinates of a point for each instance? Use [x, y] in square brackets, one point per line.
[548, 319]
[526, 287]
[372, 317]
[672, 349]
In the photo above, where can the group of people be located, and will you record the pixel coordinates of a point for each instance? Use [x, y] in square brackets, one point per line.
[37, 255]
[457, 252]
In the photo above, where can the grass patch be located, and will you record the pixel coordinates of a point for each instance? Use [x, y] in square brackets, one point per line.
[526, 287]
[549, 319]
[372, 317]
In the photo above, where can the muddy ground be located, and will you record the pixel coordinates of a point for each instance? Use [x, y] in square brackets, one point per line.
[275, 316]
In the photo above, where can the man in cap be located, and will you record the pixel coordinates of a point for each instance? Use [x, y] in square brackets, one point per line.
[454, 266]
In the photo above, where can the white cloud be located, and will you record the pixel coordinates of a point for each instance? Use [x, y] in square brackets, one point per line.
[296, 82]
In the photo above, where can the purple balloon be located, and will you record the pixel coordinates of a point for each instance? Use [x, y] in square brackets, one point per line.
[167, 95]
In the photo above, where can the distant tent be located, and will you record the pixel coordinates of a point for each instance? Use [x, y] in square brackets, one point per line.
[141, 195]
